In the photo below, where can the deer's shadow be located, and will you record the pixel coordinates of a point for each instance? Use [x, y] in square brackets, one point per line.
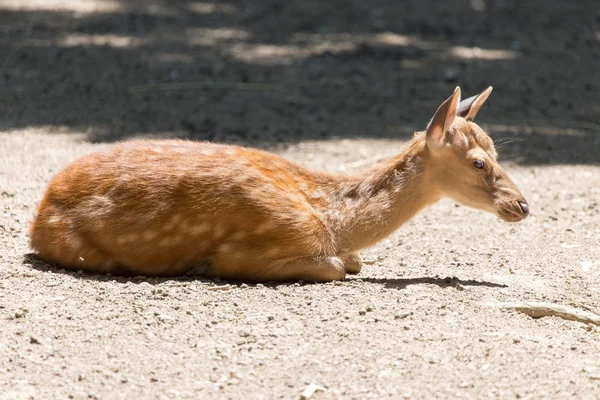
[39, 264]
[402, 283]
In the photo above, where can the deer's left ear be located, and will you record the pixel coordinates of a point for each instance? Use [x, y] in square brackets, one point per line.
[442, 120]
[468, 108]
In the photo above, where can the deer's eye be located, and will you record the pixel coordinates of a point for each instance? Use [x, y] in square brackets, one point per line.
[479, 164]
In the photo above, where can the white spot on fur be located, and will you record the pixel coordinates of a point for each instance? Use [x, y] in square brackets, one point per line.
[164, 242]
[349, 202]
[173, 221]
[264, 227]
[219, 230]
[273, 252]
[226, 248]
[75, 241]
[149, 235]
[184, 225]
[200, 228]
[318, 194]
[238, 235]
[157, 149]
[132, 237]
[54, 219]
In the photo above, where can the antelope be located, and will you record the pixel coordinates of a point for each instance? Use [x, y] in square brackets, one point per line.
[174, 207]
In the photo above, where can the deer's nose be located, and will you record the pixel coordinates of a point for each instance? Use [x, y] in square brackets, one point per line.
[524, 207]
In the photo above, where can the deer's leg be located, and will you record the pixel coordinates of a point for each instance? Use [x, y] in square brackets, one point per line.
[56, 240]
[352, 262]
[248, 269]
[74, 252]
[311, 269]
[246, 262]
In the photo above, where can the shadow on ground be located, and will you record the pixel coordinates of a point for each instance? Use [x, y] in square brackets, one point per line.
[35, 262]
[396, 283]
[271, 72]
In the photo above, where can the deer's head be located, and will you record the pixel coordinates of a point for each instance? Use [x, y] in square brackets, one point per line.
[462, 160]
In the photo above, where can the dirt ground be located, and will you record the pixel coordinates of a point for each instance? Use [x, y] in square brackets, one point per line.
[333, 85]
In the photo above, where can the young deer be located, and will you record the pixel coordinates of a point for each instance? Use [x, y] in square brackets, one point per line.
[174, 207]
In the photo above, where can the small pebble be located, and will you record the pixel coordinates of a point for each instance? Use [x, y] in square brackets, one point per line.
[459, 287]
[403, 315]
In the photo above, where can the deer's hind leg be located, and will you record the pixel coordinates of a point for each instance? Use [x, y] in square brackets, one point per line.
[248, 264]
[312, 269]
[72, 250]
[56, 239]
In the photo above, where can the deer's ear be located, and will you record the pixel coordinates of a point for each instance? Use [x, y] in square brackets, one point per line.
[442, 120]
[468, 108]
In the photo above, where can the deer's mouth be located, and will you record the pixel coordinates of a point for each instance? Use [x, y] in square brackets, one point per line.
[510, 214]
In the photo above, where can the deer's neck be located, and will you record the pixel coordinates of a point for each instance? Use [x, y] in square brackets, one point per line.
[367, 210]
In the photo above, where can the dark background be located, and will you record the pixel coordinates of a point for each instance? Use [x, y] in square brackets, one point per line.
[271, 72]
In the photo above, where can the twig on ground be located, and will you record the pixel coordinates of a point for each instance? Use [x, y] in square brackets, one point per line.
[539, 310]
[221, 287]
[590, 309]
[185, 284]
[310, 391]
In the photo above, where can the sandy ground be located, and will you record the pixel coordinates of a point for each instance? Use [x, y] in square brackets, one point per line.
[332, 86]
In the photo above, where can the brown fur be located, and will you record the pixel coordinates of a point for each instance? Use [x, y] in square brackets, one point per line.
[171, 207]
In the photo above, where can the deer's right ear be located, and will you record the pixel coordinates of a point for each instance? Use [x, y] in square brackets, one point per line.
[442, 120]
[468, 108]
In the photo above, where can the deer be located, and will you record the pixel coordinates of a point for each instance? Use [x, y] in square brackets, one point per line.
[175, 207]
